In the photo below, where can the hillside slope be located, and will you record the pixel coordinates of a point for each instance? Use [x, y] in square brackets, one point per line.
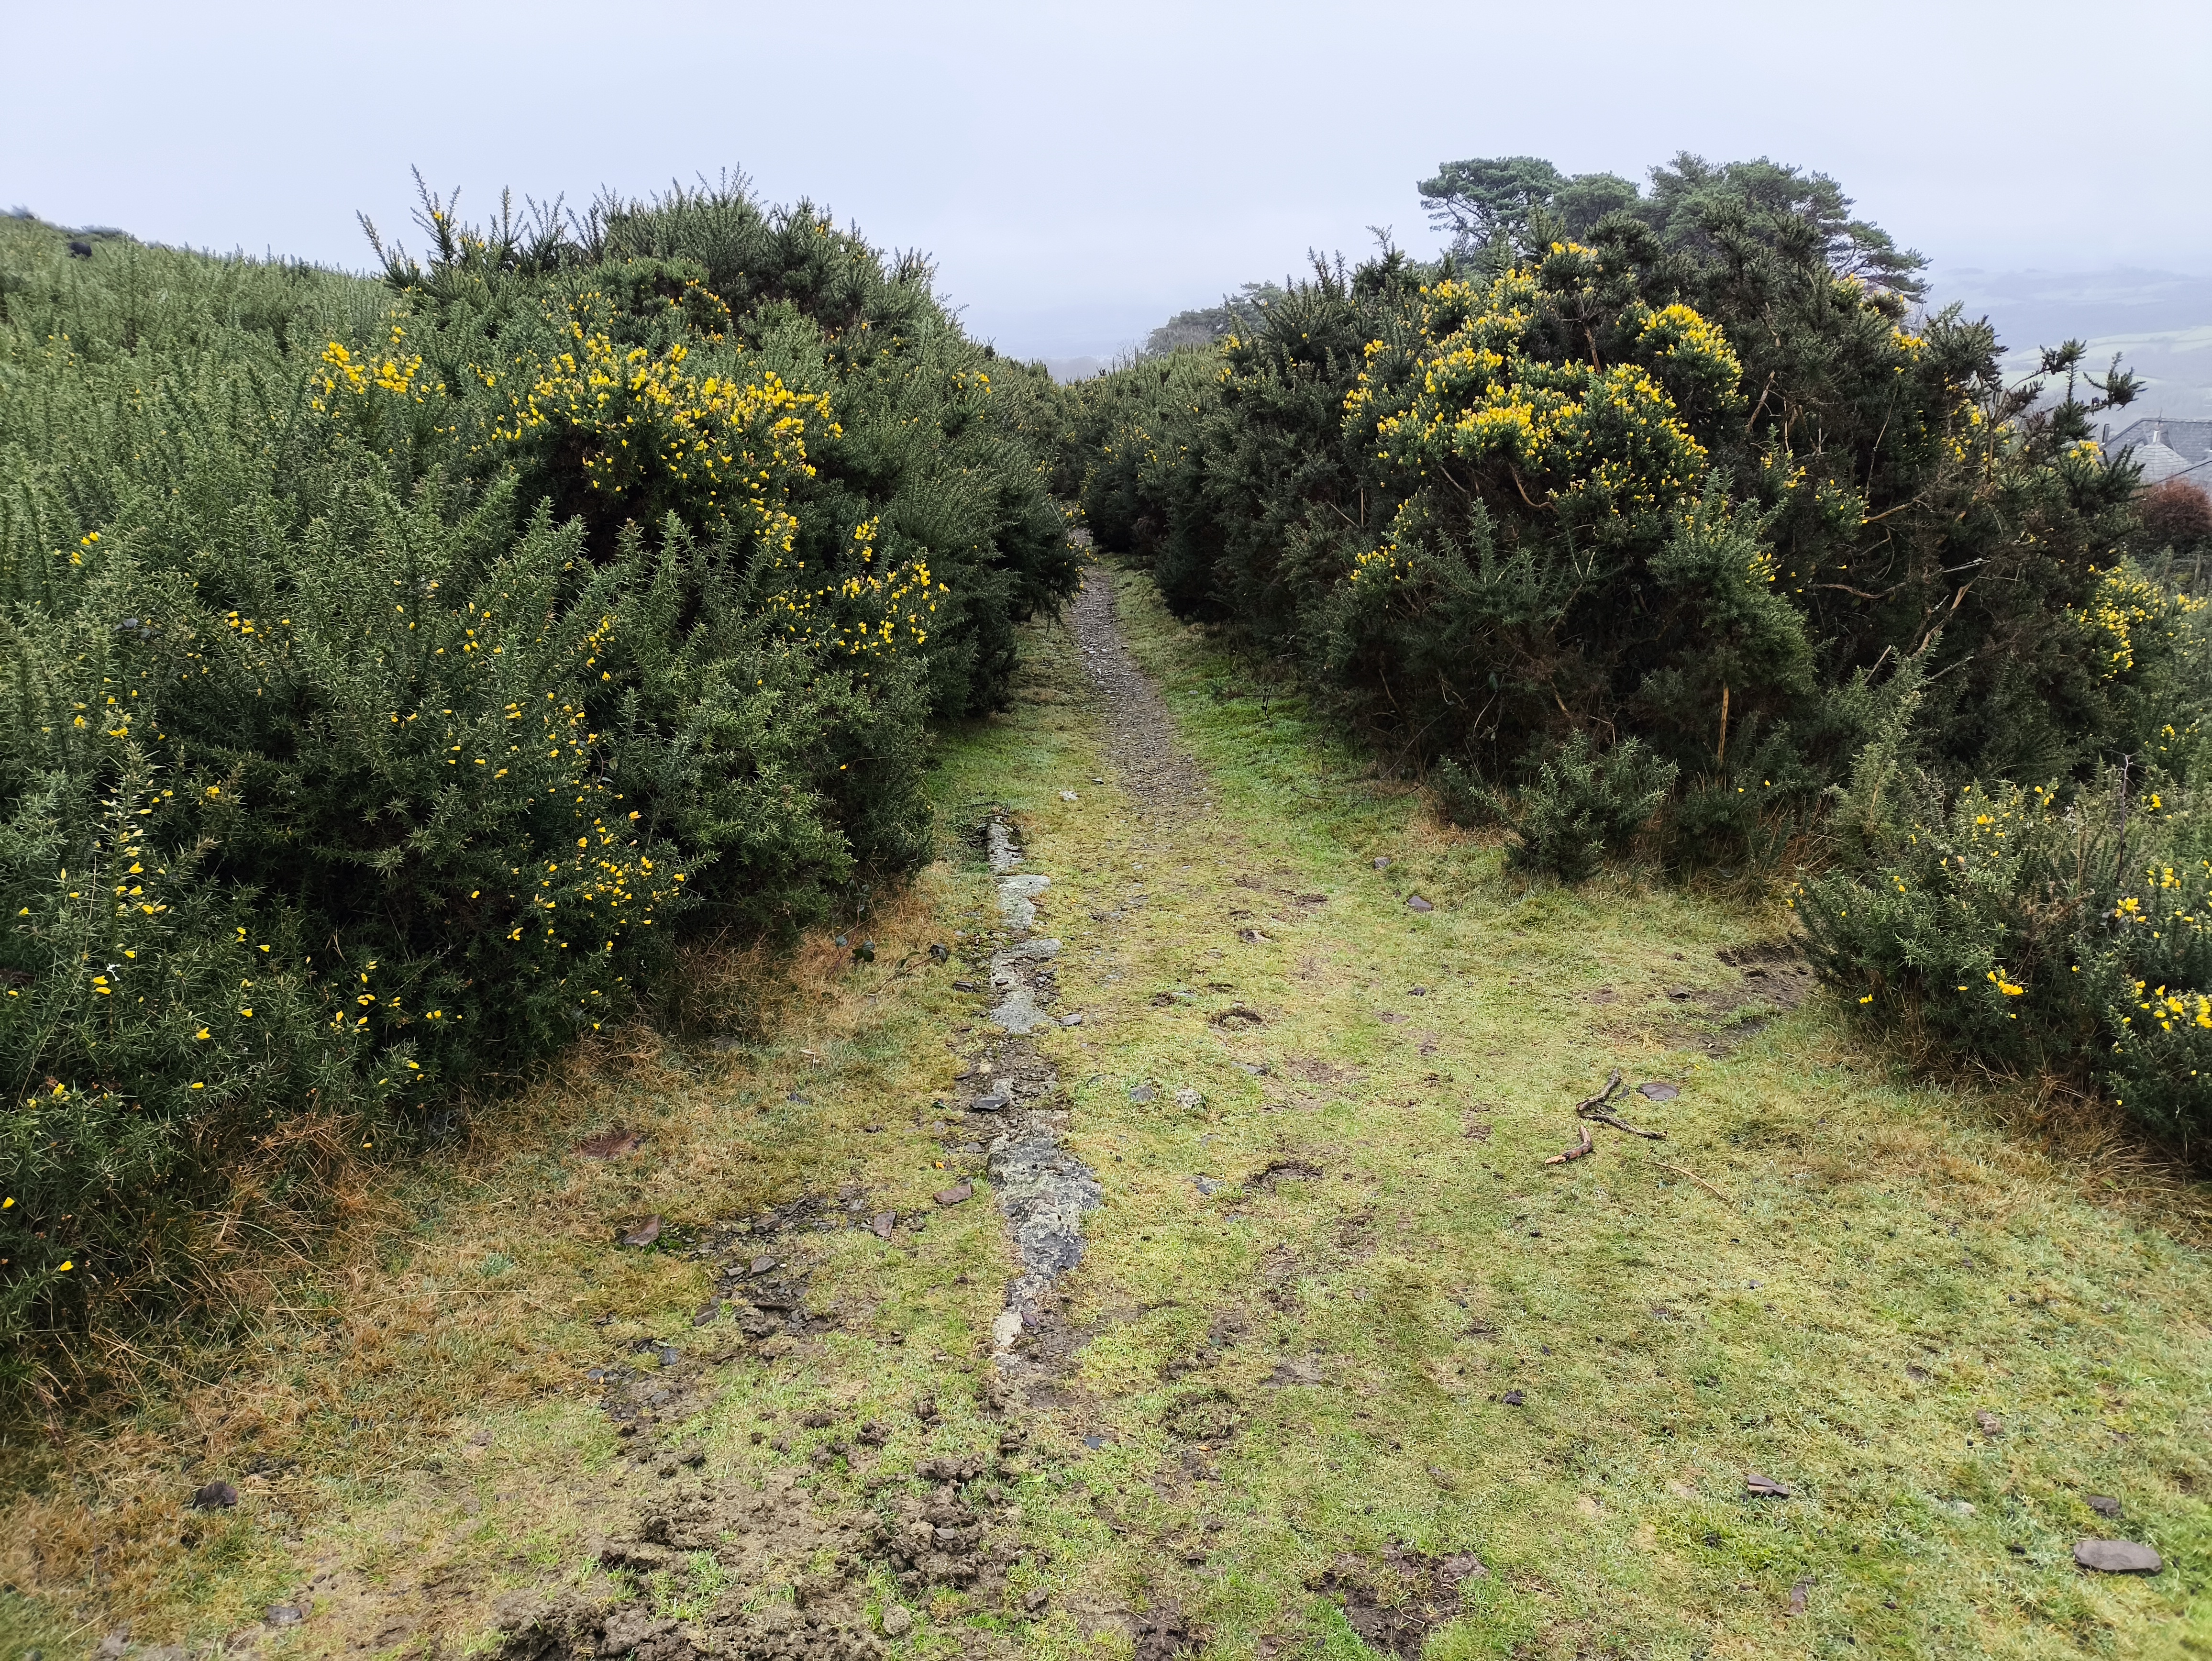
[1345, 1367]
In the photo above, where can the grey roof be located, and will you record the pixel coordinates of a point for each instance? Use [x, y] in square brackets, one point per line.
[2163, 448]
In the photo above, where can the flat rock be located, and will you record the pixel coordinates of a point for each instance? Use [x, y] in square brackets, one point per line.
[2116, 1557]
[1765, 1487]
[283, 1614]
[1416, 902]
[955, 1195]
[1658, 1090]
[644, 1233]
[882, 1224]
[1020, 1012]
[2103, 1504]
[215, 1496]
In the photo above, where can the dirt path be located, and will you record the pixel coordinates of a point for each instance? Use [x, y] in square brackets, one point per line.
[1168, 1264]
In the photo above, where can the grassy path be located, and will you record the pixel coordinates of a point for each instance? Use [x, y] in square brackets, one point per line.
[1345, 1366]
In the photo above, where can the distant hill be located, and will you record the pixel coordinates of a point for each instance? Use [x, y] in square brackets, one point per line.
[2158, 322]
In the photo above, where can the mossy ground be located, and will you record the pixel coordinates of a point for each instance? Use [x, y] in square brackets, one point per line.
[1824, 1274]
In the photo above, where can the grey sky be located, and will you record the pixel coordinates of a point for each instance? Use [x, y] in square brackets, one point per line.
[1079, 171]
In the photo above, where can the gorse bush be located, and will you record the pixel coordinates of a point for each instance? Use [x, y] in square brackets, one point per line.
[398, 670]
[1581, 805]
[2031, 926]
[1685, 472]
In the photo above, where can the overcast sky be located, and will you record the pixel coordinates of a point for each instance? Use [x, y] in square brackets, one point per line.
[1081, 171]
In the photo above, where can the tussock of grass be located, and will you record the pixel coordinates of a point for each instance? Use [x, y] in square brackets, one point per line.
[1825, 1273]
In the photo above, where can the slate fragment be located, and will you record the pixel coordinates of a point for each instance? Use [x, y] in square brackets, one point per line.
[2116, 1557]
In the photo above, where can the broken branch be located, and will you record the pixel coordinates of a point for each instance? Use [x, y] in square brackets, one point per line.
[1596, 1109]
[1583, 1151]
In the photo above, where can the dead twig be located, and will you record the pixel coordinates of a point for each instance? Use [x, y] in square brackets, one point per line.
[1581, 1152]
[1596, 1109]
[1696, 1178]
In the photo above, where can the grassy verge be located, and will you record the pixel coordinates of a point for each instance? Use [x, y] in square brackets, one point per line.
[1292, 1391]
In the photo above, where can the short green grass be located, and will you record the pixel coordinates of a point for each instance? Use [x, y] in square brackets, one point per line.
[1825, 1273]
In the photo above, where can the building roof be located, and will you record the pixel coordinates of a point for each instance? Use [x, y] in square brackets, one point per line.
[2163, 448]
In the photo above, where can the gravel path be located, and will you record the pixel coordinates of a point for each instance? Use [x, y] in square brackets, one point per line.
[1168, 785]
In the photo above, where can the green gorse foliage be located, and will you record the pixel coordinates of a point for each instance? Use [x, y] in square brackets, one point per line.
[1683, 475]
[397, 670]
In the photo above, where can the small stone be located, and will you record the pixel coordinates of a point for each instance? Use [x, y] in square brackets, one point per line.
[215, 1496]
[760, 1266]
[882, 1224]
[1800, 1594]
[1206, 1185]
[2116, 1557]
[1382, 862]
[1068, 796]
[898, 1621]
[1657, 1091]
[1991, 1424]
[1415, 903]
[940, 952]
[965, 986]
[993, 1103]
[284, 1614]
[1189, 1099]
[2103, 1504]
[1141, 1093]
[1076, 1019]
[954, 1194]
[644, 1233]
[1513, 1398]
[1765, 1487]
[706, 1314]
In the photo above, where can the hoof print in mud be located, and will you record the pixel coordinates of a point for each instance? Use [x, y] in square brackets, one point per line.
[938, 1539]
[1202, 1416]
[1162, 1635]
[1395, 1604]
